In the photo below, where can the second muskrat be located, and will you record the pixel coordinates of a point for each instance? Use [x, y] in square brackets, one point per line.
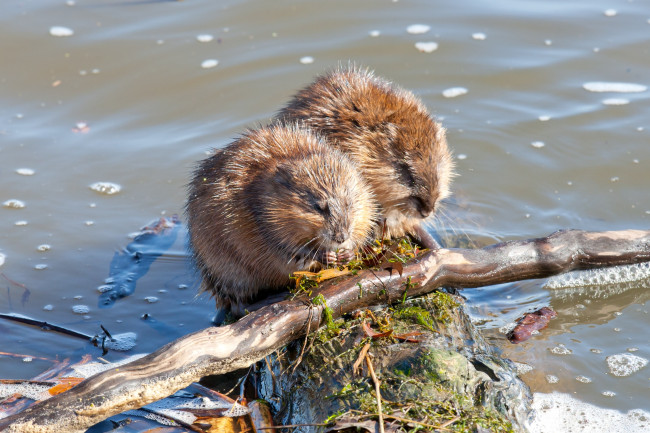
[401, 151]
[275, 201]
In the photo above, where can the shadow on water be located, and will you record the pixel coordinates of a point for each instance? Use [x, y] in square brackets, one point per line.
[132, 263]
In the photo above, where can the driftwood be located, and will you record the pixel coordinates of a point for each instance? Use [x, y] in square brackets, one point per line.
[224, 349]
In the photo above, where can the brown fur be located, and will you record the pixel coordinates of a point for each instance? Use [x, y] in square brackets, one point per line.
[273, 202]
[401, 150]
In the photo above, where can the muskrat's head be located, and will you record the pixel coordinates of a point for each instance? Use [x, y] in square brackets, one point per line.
[401, 150]
[409, 165]
[316, 205]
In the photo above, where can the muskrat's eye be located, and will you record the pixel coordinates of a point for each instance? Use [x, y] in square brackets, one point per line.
[406, 173]
[321, 206]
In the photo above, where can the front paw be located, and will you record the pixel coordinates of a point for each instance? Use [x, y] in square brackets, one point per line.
[344, 256]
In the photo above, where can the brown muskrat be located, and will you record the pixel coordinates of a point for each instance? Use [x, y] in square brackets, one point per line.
[274, 201]
[388, 132]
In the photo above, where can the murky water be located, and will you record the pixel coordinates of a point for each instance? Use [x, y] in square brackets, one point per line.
[134, 92]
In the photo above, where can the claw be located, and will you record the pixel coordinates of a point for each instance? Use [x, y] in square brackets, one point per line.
[344, 256]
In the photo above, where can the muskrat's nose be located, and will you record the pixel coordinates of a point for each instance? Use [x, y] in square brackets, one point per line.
[424, 207]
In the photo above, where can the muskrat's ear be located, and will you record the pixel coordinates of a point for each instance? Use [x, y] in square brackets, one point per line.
[283, 178]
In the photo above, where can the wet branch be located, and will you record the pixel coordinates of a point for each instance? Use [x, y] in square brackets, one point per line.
[220, 350]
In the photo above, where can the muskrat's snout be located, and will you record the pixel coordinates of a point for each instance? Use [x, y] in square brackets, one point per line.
[424, 207]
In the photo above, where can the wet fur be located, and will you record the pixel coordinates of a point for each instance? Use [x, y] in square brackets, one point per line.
[401, 151]
[274, 201]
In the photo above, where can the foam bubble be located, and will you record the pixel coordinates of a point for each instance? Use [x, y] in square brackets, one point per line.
[558, 412]
[80, 309]
[2, 259]
[237, 410]
[552, 379]
[307, 60]
[600, 277]
[44, 247]
[61, 31]
[625, 364]
[13, 203]
[107, 188]
[92, 368]
[610, 12]
[374, 33]
[160, 419]
[121, 342]
[479, 36]
[28, 390]
[537, 144]
[616, 101]
[426, 47]
[209, 63]
[151, 299]
[454, 92]
[418, 29]
[583, 379]
[204, 38]
[604, 86]
[25, 171]
[561, 349]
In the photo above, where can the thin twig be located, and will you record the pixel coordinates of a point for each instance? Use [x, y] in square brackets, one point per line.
[377, 392]
[304, 344]
[362, 356]
[451, 421]
[277, 427]
[406, 420]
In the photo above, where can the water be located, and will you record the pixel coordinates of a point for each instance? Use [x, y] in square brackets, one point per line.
[129, 94]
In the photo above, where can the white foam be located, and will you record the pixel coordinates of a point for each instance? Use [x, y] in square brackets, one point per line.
[2, 259]
[80, 309]
[28, 390]
[237, 410]
[204, 38]
[538, 144]
[307, 60]
[121, 342]
[454, 92]
[61, 31]
[616, 101]
[14, 203]
[557, 412]
[426, 47]
[603, 86]
[479, 36]
[92, 368]
[108, 188]
[209, 63]
[625, 364]
[25, 171]
[599, 277]
[418, 29]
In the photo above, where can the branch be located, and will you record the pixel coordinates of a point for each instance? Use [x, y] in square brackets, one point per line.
[220, 350]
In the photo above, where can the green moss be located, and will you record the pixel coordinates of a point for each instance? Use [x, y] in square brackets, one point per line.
[416, 315]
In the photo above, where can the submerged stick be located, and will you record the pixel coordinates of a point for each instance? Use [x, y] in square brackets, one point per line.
[221, 350]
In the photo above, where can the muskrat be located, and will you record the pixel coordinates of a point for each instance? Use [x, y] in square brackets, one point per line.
[276, 200]
[401, 150]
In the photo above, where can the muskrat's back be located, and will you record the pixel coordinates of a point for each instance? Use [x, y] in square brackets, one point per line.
[274, 201]
[402, 152]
